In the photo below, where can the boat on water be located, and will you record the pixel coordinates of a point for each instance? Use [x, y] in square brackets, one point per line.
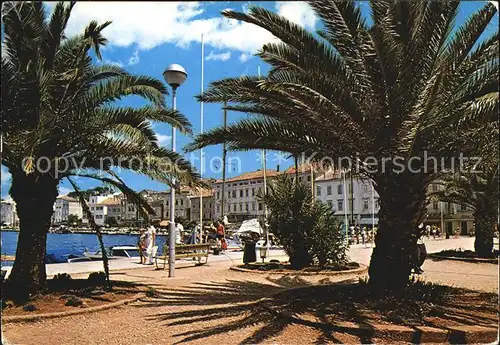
[126, 251]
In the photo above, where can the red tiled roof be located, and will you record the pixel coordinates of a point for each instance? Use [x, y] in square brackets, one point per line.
[110, 201]
[304, 168]
[251, 176]
[67, 198]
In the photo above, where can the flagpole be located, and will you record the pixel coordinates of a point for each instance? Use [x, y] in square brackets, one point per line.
[201, 131]
[345, 212]
[373, 214]
[265, 188]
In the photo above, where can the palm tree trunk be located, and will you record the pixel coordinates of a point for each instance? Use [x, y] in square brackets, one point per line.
[402, 204]
[34, 197]
[486, 219]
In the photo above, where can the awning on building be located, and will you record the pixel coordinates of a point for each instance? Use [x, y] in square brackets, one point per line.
[368, 221]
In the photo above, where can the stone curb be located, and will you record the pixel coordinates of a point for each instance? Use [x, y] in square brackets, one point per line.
[455, 258]
[422, 334]
[362, 269]
[36, 317]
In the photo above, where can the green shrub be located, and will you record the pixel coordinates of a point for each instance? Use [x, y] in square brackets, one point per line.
[151, 292]
[97, 279]
[61, 282]
[73, 302]
[307, 230]
[30, 307]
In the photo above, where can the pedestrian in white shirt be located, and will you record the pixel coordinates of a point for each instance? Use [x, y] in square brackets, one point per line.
[150, 242]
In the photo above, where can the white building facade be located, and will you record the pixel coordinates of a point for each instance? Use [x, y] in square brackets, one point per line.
[332, 190]
[240, 199]
[63, 207]
[8, 213]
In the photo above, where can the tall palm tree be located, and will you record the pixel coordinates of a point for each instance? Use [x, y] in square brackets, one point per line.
[394, 88]
[60, 118]
[476, 188]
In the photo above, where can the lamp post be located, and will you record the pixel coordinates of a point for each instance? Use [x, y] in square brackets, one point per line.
[174, 75]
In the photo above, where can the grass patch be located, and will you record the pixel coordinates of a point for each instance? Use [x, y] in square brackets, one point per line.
[466, 254]
[285, 266]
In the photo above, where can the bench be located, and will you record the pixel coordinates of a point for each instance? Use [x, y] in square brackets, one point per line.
[183, 251]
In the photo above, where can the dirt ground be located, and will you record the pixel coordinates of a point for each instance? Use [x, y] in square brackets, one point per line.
[214, 305]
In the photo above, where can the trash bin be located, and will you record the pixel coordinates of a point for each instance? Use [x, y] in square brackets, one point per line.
[249, 254]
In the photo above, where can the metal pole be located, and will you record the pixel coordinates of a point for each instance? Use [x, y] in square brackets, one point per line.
[345, 212]
[171, 232]
[224, 152]
[201, 131]
[264, 159]
[351, 193]
[373, 214]
[442, 218]
[312, 183]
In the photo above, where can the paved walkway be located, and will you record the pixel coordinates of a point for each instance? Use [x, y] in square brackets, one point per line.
[214, 305]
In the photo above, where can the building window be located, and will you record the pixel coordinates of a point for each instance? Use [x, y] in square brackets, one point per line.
[340, 205]
[300, 178]
[246, 192]
[218, 195]
[434, 187]
[229, 194]
[318, 191]
[253, 206]
[260, 207]
[308, 178]
[176, 202]
[329, 190]
[434, 205]
[241, 207]
[340, 189]
[246, 207]
[229, 208]
[253, 191]
[182, 202]
[234, 194]
[365, 188]
[365, 204]
[218, 208]
[241, 193]
[330, 203]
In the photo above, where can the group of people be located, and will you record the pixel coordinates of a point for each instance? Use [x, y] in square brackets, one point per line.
[363, 235]
[147, 247]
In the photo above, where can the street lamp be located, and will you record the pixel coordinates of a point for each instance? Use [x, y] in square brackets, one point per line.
[174, 75]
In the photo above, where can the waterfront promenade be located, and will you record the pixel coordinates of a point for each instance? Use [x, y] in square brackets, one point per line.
[215, 291]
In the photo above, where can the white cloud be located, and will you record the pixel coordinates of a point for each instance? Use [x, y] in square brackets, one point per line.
[163, 140]
[149, 24]
[298, 12]
[244, 57]
[6, 176]
[64, 190]
[134, 59]
[495, 3]
[222, 56]
[111, 62]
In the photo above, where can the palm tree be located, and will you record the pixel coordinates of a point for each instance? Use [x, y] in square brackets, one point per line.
[60, 118]
[477, 189]
[392, 89]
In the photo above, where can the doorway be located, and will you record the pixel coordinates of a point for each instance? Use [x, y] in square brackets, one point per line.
[463, 228]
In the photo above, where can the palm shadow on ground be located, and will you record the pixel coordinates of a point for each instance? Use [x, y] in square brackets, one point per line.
[275, 304]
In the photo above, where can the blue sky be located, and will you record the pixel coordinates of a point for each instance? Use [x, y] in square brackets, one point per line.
[146, 37]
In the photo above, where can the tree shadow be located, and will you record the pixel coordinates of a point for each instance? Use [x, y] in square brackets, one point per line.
[271, 306]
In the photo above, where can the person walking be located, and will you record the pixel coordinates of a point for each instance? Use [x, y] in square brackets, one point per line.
[220, 233]
[141, 243]
[419, 254]
[149, 242]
